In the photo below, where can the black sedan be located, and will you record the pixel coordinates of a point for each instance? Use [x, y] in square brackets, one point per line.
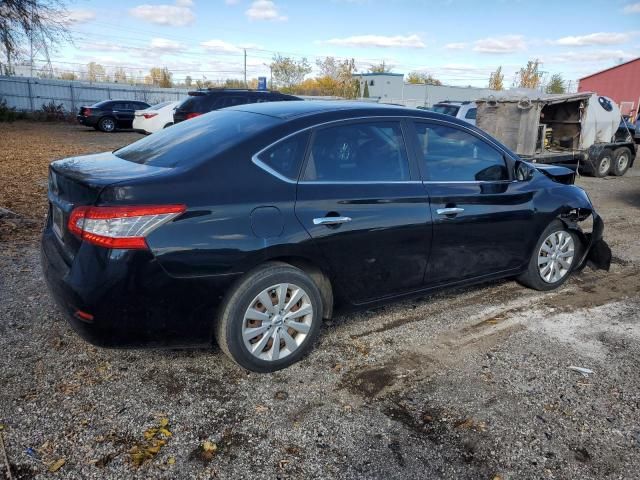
[109, 115]
[248, 225]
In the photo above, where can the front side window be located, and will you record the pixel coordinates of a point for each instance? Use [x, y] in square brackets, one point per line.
[357, 152]
[286, 156]
[471, 114]
[453, 155]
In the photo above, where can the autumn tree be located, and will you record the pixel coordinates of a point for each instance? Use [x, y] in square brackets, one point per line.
[336, 77]
[188, 81]
[380, 68]
[496, 79]
[159, 77]
[422, 78]
[529, 76]
[95, 72]
[68, 76]
[556, 84]
[19, 19]
[288, 72]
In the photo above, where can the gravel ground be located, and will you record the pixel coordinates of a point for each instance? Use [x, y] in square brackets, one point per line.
[466, 384]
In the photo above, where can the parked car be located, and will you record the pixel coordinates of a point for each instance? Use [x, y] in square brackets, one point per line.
[626, 130]
[249, 224]
[154, 118]
[207, 100]
[110, 115]
[463, 110]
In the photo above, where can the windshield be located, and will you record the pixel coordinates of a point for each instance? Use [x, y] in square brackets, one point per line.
[196, 140]
[446, 109]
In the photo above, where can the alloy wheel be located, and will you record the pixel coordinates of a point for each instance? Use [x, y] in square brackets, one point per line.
[277, 321]
[108, 125]
[555, 257]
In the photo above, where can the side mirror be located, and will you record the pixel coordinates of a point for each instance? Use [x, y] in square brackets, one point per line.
[524, 172]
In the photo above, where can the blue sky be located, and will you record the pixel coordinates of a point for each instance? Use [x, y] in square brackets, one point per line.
[458, 41]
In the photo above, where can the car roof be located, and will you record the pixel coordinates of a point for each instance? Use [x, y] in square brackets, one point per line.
[342, 109]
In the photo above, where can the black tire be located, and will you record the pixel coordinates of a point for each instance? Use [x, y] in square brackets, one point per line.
[532, 277]
[229, 327]
[602, 166]
[107, 124]
[621, 161]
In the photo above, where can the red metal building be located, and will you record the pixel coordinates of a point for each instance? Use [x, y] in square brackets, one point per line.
[621, 83]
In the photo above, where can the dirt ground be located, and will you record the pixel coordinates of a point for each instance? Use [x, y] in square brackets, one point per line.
[466, 384]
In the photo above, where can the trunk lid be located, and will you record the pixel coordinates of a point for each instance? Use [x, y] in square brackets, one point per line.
[78, 181]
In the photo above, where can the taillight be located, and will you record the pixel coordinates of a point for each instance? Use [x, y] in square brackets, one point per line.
[192, 115]
[120, 227]
[86, 112]
[149, 115]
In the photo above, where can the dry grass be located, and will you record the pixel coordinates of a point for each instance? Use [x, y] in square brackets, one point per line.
[27, 149]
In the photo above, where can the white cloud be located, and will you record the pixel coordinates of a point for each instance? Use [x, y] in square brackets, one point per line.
[599, 38]
[503, 44]
[231, 2]
[591, 56]
[455, 46]
[632, 8]
[80, 15]
[165, 45]
[406, 41]
[264, 10]
[220, 46]
[177, 15]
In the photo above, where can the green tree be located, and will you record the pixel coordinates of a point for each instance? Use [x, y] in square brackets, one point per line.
[422, 78]
[496, 79]
[556, 84]
[288, 72]
[529, 76]
[365, 93]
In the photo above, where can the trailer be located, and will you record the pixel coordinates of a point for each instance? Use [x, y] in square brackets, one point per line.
[577, 130]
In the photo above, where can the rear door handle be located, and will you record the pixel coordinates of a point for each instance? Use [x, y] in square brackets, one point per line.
[449, 211]
[331, 220]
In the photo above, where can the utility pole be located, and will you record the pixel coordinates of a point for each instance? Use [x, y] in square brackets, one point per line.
[245, 69]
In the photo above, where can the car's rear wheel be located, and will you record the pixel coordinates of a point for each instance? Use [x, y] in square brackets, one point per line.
[621, 161]
[554, 258]
[602, 165]
[271, 318]
[107, 124]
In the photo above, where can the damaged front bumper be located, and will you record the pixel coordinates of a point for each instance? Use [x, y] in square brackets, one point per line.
[597, 253]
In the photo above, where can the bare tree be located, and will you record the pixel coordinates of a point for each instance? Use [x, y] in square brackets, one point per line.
[96, 72]
[20, 19]
[380, 68]
[160, 77]
[496, 79]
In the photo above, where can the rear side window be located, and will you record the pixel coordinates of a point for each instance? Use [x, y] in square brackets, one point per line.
[199, 139]
[471, 114]
[453, 155]
[368, 151]
[446, 109]
[286, 156]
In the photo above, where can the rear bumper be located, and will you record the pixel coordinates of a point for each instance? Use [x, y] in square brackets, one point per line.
[132, 300]
[88, 121]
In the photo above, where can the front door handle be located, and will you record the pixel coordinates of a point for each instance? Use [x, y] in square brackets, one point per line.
[331, 220]
[449, 211]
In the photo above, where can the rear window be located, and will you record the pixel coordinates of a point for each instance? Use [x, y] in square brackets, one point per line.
[103, 104]
[159, 106]
[201, 138]
[446, 109]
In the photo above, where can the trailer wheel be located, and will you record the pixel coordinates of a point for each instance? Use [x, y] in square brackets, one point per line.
[621, 161]
[602, 165]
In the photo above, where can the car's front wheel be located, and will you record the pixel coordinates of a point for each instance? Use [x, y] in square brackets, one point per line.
[554, 258]
[271, 318]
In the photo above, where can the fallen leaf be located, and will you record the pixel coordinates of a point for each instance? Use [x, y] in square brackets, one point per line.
[164, 422]
[57, 465]
[165, 432]
[171, 460]
[208, 446]
[261, 409]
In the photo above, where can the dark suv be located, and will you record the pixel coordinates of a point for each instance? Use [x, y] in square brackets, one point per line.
[203, 101]
[109, 115]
